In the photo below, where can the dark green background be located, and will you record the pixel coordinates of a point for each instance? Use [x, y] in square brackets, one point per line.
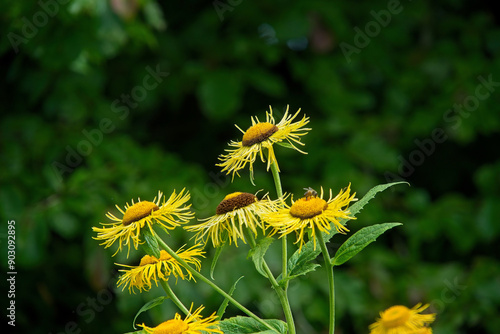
[65, 74]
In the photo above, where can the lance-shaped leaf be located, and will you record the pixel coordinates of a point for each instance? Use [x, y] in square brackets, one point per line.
[300, 265]
[258, 253]
[218, 252]
[150, 244]
[149, 305]
[246, 325]
[223, 306]
[284, 144]
[360, 240]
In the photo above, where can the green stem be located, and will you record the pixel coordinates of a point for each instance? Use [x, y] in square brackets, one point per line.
[279, 291]
[277, 180]
[329, 273]
[199, 276]
[283, 293]
[151, 247]
[284, 249]
[172, 295]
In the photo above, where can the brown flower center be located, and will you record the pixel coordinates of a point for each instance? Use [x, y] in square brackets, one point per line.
[395, 316]
[173, 326]
[138, 211]
[307, 207]
[235, 201]
[258, 133]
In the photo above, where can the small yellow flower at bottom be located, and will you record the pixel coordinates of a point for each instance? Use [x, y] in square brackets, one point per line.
[193, 324]
[309, 212]
[402, 320]
[151, 269]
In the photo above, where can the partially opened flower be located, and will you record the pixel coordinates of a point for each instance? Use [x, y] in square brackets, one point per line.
[402, 320]
[260, 136]
[126, 230]
[311, 212]
[152, 269]
[193, 324]
[236, 212]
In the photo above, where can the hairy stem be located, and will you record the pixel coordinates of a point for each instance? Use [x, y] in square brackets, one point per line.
[284, 249]
[199, 276]
[285, 303]
[173, 296]
[331, 283]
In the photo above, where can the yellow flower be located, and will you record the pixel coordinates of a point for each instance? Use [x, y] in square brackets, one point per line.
[126, 230]
[263, 135]
[309, 212]
[234, 213]
[402, 320]
[193, 324]
[153, 269]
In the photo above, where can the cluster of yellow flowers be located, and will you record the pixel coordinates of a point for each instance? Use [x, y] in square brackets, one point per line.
[237, 215]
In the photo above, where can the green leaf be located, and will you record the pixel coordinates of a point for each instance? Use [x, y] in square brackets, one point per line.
[358, 206]
[150, 244]
[300, 265]
[258, 253]
[149, 305]
[285, 144]
[360, 240]
[245, 325]
[222, 308]
[218, 251]
[298, 261]
[298, 271]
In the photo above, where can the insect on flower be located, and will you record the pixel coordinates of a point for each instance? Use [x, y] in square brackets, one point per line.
[310, 192]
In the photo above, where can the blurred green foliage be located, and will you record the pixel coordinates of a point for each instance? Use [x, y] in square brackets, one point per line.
[77, 77]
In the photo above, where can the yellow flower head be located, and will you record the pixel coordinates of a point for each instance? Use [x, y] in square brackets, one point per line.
[234, 213]
[402, 320]
[193, 324]
[263, 135]
[126, 230]
[311, 212]
[153, 269]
